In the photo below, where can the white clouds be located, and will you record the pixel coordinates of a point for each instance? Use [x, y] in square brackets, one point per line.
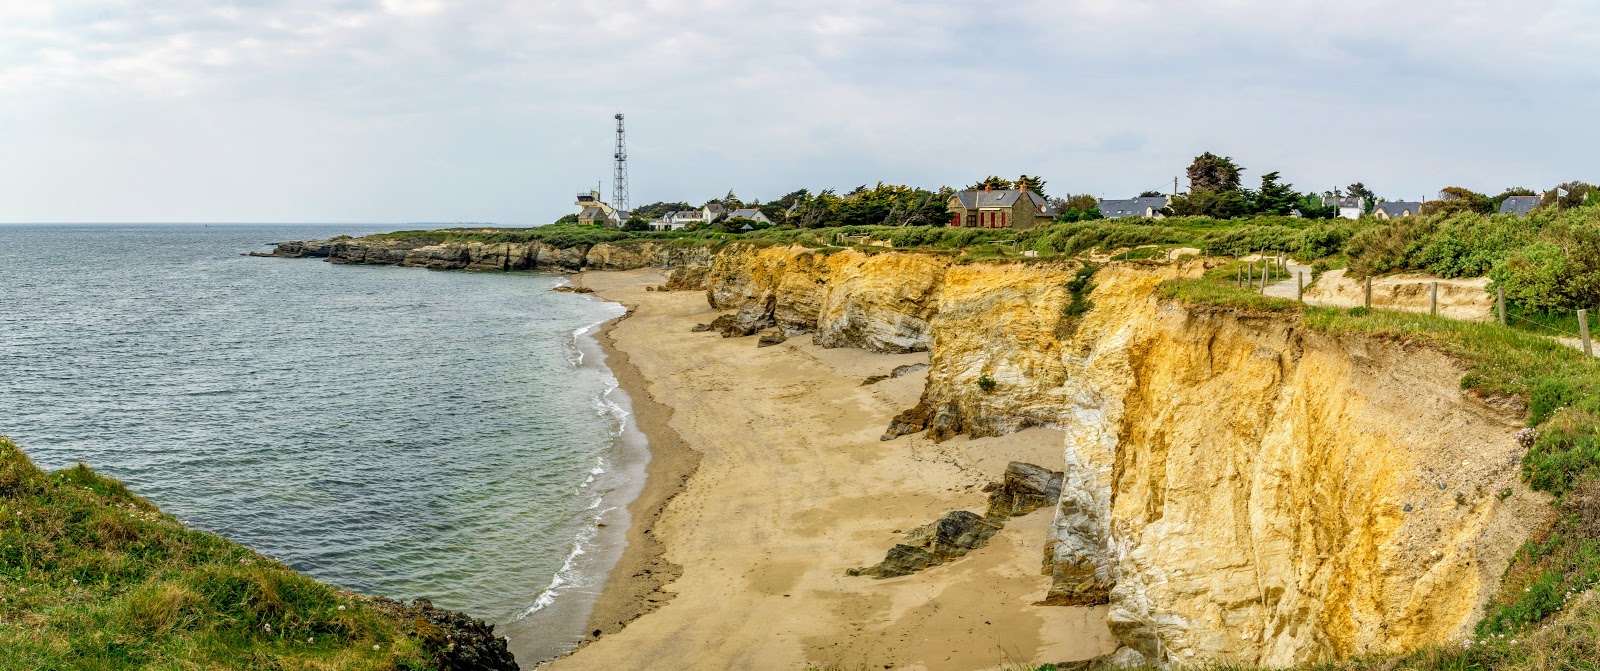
[1099, 95]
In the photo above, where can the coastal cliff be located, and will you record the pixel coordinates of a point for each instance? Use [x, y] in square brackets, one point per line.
[1237, 486]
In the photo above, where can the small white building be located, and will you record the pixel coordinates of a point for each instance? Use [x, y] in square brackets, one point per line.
[677, 221]
[1350, 207]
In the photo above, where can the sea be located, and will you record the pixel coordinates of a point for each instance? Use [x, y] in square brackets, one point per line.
[398, 432]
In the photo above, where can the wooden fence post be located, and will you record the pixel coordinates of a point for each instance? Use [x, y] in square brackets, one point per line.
[1238, 277]
[1583, 332]
[1433, 300]
[1368, 302]
[1250, 275]
[1264, 268]
[1500, 303]
[1300, 286]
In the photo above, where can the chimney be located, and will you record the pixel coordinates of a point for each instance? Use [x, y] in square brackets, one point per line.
[987, 187]
[1022, 183]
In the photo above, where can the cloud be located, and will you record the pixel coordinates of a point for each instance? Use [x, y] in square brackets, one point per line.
[497, 109]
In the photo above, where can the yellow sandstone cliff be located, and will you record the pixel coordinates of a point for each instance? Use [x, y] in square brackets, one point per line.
[1237, 487]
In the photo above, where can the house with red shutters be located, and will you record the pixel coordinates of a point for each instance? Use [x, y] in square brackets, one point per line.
[998, 208]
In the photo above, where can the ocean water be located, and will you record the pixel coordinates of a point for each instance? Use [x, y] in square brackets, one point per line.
[394, 431]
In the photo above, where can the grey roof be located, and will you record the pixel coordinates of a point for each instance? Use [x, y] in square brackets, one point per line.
[1520, 205]
[592, 213]
[1131, 207]
[974, 199]
[1346, 201]
[1397, 208]
[748, 213]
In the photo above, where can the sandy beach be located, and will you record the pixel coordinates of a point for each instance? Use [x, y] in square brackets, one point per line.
[768, 480]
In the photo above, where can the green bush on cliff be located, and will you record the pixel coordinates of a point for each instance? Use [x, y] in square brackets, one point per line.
[93, 577]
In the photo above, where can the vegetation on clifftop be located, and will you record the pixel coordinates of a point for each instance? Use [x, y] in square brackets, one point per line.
[93, 577]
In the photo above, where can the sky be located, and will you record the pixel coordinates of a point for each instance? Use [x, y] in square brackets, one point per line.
[501, 110]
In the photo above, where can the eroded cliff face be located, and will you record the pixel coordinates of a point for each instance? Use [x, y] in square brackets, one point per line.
[1237, 487]
[881, 302]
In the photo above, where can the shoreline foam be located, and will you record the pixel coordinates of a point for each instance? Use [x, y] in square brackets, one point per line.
[555, 622]
[634, 586]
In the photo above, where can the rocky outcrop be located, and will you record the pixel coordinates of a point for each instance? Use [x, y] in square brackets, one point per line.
[458, 641]
[952, 536]
[882, 302]
[438, 251]
[687, 278]
[1023, 489]
[997, 364]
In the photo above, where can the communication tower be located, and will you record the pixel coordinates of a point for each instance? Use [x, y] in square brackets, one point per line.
[619, 179]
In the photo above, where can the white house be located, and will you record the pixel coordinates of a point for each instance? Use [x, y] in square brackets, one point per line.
[1350, 207]
[677, 221]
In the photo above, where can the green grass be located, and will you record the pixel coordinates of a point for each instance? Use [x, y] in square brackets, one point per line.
[93, 577]
[1219, 288]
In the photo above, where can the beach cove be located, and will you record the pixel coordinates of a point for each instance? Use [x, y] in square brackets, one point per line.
[768, 479]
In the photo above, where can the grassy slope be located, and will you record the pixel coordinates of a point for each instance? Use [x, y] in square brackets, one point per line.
[93, 577]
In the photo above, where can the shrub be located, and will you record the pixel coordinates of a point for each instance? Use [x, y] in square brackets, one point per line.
[987, 384]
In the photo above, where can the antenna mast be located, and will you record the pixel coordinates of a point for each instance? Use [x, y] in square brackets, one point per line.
[619, 179]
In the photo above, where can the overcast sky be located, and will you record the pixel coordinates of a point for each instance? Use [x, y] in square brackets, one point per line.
[500, 110]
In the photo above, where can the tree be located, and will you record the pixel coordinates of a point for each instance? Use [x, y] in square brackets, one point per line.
[1034, 184]
[1217, 205]
[992, 182]
[1210, 172]
[567, 219]
[636, 223]
[1082, 202]
[732, 225]
[1576, 194]
[1071, 215]
[1311, 207]
[1453, 199]
[1151, 194]
[660, 209]
[1359, 190]
[1275, 198]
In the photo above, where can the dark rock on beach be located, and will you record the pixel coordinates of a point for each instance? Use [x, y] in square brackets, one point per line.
[1023, 489]
[952, 536]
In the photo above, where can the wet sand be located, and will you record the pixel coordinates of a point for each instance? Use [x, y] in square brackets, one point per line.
[768, 479]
